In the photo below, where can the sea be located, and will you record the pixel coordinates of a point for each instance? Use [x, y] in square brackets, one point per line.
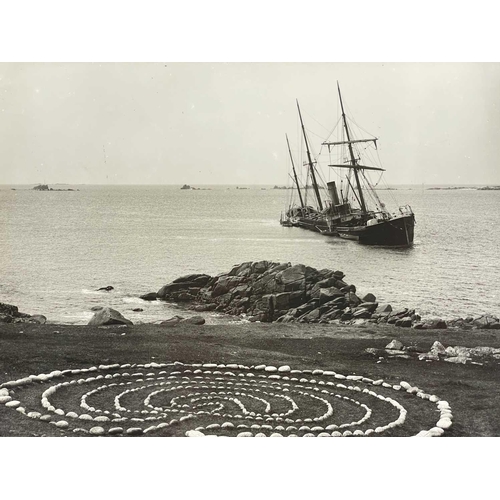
[57, 248]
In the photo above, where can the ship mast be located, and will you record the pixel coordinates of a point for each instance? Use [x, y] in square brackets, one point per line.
[295, 174]
[353, 160]
[311, 165]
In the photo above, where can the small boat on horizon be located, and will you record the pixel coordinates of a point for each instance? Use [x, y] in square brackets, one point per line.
[349, 215]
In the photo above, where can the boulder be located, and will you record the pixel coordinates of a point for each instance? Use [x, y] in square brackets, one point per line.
[369, 297]
[8, 309]
[361, 313]
[434, 324]
[438, 348]
[193, 320]
[5, 318]
[174, 321]
[292, 278]
[328, 294]
[108, 316]
[486, 322]
[196, 279]
[241, 269]
[38, 318]
[403, 322]
[353, 299]
[394, 344]
[385, 309]
[149, 296]
[369, 306]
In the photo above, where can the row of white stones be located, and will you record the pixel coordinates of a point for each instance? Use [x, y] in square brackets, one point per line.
[444, 422]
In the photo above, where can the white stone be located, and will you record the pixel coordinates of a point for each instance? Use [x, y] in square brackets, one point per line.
[194, 433]
[245, 434]
[405, 385]
[284, 369]
[12, 404]
[444, 423]
[4, 392]
[271, 369]
[134, 431]
[421, 434]
[62, 424]
[5, 399]
[435, 432]
[336, 434]
[101, 419]
[97, 431]
[260, 435]
[59, 412]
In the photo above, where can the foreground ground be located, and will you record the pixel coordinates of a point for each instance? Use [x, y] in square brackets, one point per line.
[471, 390]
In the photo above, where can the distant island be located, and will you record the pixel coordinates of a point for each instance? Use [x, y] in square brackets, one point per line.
[187, 186]
[451, 188]
[45, 187]
[291, 187]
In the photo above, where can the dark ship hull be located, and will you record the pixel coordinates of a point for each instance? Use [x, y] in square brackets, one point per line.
[397, 231]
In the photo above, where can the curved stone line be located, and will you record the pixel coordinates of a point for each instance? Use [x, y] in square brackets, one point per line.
[205, 371]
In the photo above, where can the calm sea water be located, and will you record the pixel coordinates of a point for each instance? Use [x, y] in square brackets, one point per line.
[57, 248]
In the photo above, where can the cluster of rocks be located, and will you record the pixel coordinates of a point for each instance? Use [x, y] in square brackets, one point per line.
[11, 314]
[438, 352]
[271, 291]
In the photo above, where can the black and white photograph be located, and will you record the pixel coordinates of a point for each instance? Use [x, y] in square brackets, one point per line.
[217, 247]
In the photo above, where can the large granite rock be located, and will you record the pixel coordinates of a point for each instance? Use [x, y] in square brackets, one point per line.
[108, 316]
[272, 291]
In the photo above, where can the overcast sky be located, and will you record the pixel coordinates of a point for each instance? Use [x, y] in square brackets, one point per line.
[202, 123]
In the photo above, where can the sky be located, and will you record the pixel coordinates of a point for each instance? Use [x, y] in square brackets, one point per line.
[225, 123]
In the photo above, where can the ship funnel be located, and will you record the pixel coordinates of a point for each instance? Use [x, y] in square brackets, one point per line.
[332, 189]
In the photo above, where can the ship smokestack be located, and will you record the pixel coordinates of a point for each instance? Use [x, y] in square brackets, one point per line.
[332, 189]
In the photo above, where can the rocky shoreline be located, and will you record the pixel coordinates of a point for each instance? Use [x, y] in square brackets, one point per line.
[273, 292]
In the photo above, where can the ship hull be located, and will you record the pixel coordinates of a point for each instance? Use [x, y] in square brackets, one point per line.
[398, 231]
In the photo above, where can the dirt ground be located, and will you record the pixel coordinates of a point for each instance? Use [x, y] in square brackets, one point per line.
[471, 390]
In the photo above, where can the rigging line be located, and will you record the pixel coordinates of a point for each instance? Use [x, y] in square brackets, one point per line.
[312, 117]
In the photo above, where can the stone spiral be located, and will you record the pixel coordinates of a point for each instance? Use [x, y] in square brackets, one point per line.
[223, 400]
